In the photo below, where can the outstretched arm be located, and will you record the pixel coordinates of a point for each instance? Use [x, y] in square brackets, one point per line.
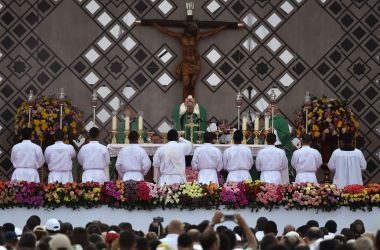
[211, 32]
[166, 31]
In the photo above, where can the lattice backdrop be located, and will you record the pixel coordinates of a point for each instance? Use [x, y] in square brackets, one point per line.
[328, 47]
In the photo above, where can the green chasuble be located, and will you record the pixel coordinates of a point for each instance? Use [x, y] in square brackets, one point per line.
[120, 137]
[181, 118]
[282, 128]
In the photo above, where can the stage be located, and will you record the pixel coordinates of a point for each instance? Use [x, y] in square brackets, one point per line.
[140, 219]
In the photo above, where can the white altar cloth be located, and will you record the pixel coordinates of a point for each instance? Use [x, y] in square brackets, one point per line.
[150, 149]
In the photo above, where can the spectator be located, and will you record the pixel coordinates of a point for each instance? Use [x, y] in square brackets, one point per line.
[52, 226]
[127, 241]
[271, 227]
[157, 228]
[312, 223]
[313, 237]
[175, 228]
[27, 241]
[185, 242]
[40, 232]
[363, 243]
[209, 241]
[268, 241]
[80, 237]
[60, 242]
[195, 236]
[328, 245]
[288, 228]
[331, 226]
[142, 244]
[260, 225]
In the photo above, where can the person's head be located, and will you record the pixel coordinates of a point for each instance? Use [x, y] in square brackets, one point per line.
[261, 223]
[223, 125]
[340, 238]
[40, 232]
[27, 240]
[195, 234]
[172, 135]
[111, 236]
[60, 242]
[291, 241]
[31, 223]
[288, 228]
[127, 240]
[312, 223]
[313, 234]
[348, 233]
[125, 226]
[133, 137]
[359, 227]
[26, 133]
[66, 228]
[231, 238]
[271, 228]
[302, 230]
[93, 229]
[331, 226]
[52, 226]
[328, 245]
[190, 104]
[175, 227]
[185, 242]
[271, 139]
[191, 29]
[268, 241]
[306, 140]
[347, 139]
[363, 243]
[209, 241]
[208, 137]
[80, 237]
[156, 227]
[142, 244]
[128, 111]
[94, 133]
[59, 135]
[11, 238]
[95, 238]
[43, 243]
[151, 236]
[238, 137]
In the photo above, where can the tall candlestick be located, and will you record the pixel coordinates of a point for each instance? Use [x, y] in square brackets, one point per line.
[266, 121]
[244, 122]
[256, 121]
[127, 120]
[114, 121]
[140, 121]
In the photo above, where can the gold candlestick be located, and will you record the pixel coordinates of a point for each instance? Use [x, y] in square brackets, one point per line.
[199, 133]
[231, 136]
[113, 140]
[141, 140]
[244, 139]
[256, 140]
[126, 139]
[217, 133]
[164, 137]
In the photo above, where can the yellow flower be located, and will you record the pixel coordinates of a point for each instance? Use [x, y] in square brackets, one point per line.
[339, 124]
[44, 114]
[73, 124]
[315, 127]
[36, 122]
[64, 129]
[316, 134]
[67, 111]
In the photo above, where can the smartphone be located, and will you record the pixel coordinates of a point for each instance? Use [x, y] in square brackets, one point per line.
[229, 217]
[158, 219]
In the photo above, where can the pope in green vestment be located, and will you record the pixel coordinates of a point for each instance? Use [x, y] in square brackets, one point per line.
[189, 112]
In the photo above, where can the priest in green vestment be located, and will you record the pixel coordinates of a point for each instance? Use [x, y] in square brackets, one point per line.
[282, 132]
[190, 117]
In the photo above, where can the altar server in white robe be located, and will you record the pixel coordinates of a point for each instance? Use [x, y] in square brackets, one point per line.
[306, 161]
[26, 158]
[169, 160]
[94, 158]
[133, 162]
[207, 159]
[238, 160]
[271, 161]
[347, 163]
[59, 159]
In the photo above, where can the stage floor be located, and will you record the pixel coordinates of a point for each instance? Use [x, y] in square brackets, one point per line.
[140, 219]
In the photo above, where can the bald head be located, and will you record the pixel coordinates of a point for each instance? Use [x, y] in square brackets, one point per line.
[175, 227]
[190, 104]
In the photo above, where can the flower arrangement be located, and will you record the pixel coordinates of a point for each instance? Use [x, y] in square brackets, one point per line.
[143, 195]
[45, 118]
[327, 116]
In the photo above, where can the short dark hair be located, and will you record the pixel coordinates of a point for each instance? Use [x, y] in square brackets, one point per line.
[59, 135]
[314, 233]
[328, 244]
[238, 136]
[133, 136]
[306, 139]
[172, 135]
[271, 227]
[209, 137]
[331, 226]
[261, 223]
[184, 240]
[124, 226]
[27, 240]
[312, 223]
[142, 243]
[127, 240]
[271, 138]
[7, 227]
[208, 239]
[26, 133]
[94, 132]
[347, 138]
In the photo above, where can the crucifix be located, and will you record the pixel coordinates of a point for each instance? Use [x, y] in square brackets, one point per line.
[191, 125]
[190, 66]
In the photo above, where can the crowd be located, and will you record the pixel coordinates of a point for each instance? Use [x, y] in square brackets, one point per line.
[207, 235]
[169, 162]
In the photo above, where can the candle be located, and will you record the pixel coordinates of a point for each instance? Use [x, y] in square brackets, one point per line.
[244, 123]
[127, 128]
[266, 122]
[114, 122]
[140, 122]
[256, 122]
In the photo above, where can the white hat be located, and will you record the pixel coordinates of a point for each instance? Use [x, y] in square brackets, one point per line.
[60, 241]
[52, 225]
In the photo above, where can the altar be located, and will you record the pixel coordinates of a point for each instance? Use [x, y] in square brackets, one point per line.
[150, 149]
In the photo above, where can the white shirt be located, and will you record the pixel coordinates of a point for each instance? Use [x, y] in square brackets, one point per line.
[347, 166]
[270, 161]
[59, 156]
[94, 158]
[208, 160]
[171, 240]
[169, 173]
[238, 160]
[26, 158]
[306, 161]
[132, 163]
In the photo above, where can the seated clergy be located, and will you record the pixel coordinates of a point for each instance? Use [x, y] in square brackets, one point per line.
[348, 163]
[169, 160]
[208, 160]
[26, 158]
[270, 161]
[238, 160]
[132, 162]
[59, 159]
[94, 158]
[306, 161]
